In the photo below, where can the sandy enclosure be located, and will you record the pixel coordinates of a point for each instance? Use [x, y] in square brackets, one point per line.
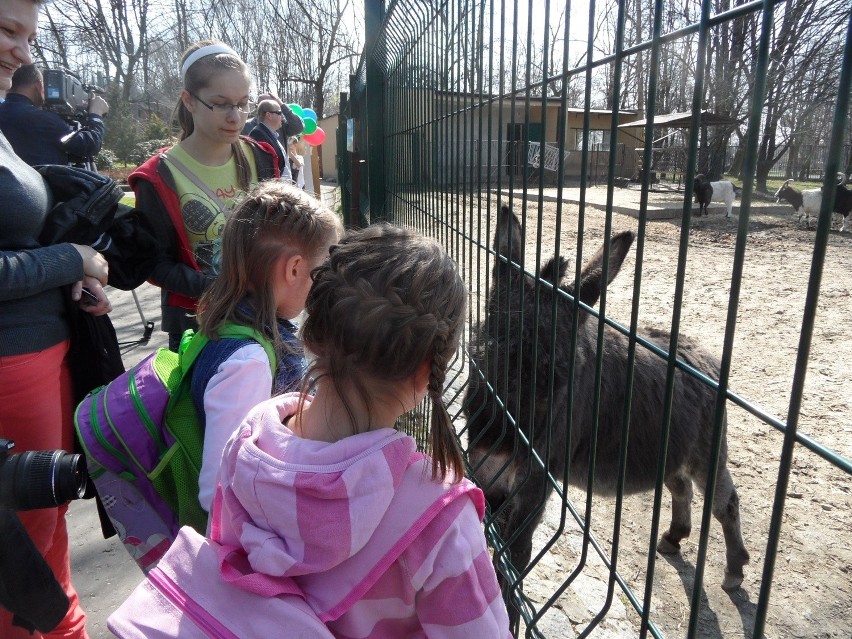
[812, 587]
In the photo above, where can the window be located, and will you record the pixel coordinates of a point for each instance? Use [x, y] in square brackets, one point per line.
[598, 139]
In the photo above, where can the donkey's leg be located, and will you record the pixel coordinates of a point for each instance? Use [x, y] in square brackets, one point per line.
[521, 517]
[680, 487]
[726, 508]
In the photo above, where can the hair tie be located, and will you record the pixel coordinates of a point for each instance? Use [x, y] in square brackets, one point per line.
[203, 52]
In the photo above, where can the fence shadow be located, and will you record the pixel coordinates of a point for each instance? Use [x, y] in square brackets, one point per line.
[708, 621]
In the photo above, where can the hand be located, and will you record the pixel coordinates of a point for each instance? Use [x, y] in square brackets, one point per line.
[94, 264]
[100, 305]
[98, 105]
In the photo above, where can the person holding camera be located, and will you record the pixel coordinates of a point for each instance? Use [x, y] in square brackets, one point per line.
[39, 136]
[36, 400]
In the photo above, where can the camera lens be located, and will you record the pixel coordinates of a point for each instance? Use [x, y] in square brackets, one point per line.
[41, 479]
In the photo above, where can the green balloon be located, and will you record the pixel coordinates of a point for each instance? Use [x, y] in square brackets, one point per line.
[310, 126]
[295, 108]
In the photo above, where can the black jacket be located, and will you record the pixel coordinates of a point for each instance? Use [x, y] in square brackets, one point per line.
[28, 588]
[263, 133]
[291, 124]
[37, 135]
[84, 212]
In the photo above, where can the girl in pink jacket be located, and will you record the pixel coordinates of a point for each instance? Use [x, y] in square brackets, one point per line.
[321, 501]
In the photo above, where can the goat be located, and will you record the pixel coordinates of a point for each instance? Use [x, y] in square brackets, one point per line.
[504, 352]
[843, 201]
[808, 202]
[705, 192]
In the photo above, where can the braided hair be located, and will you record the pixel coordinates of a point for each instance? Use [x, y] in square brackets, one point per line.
[274, 218]
[387, 300]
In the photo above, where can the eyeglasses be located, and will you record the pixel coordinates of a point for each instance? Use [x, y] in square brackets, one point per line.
[275, 112]
[224, 109]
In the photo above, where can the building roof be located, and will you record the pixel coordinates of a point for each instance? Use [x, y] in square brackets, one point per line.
[598, 111]
[683, 120]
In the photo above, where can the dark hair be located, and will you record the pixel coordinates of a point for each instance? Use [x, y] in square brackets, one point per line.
[387, 300]
[25, 75]
[198, 77]
[273, 217]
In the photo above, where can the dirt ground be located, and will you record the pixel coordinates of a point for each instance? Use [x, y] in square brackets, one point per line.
[811, 591]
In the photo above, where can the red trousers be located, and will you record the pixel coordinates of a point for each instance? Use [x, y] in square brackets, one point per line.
[36, 412]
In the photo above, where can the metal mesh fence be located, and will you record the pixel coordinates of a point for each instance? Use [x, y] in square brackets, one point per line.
[458, 106]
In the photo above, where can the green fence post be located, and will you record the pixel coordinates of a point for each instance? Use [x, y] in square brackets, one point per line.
[374, 13]
[344, 173]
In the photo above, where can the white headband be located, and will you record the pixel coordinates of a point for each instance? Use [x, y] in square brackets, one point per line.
[203, 52]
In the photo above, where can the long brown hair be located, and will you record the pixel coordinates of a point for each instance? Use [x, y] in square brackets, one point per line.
[387, 300]
[274, 217]
[198, 76]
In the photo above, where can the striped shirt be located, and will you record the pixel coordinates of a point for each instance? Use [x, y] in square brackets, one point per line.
[377, 547]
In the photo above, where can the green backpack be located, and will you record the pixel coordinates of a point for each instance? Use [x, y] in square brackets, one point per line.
[143, 442]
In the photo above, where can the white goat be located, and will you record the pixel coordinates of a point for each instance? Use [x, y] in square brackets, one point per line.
[705, 191]
[843, 201]
[807, 203]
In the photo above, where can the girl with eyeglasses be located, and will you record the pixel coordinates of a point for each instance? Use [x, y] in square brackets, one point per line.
[186, 191]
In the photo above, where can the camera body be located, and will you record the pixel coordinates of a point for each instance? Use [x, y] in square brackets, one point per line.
[40, 478]
[65, 94]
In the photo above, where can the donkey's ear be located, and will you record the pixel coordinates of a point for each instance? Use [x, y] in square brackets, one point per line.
[507, 237]
[554, 270]
[592, 274]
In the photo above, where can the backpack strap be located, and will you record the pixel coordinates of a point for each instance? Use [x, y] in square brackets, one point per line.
[192, 343]
[182, 419]
[233, 330]
[190, 347]
[192, 177]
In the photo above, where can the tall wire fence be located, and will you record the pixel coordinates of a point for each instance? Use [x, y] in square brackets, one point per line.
[444, 121]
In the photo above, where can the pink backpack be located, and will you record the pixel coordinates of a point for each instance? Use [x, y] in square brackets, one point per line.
[202, 589]
[191, 594]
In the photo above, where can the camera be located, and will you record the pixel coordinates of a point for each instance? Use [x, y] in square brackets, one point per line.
[65, 94]
[40, 478]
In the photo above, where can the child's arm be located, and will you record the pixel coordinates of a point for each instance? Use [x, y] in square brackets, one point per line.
[241, 382]
[459, 596]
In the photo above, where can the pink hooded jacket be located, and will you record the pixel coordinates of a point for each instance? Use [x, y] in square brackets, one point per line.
[377, 547]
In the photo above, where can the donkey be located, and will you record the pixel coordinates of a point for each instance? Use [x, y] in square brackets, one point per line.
[504, 350]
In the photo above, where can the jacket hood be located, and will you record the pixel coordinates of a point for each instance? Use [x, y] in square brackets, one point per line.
[313, 511]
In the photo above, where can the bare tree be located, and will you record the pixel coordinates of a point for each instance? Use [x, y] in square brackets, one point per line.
[114, 33]
[802, 76]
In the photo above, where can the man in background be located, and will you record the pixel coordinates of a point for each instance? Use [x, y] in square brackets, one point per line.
[291, 124]
[44, 137]
[269, 117]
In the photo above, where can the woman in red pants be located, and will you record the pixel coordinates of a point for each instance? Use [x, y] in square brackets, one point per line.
[36, 404]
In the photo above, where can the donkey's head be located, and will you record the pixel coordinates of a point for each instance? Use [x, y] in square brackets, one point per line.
[514, 352]
[509, 246]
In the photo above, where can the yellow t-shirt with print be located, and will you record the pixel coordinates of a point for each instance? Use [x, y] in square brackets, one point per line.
[204, 219]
